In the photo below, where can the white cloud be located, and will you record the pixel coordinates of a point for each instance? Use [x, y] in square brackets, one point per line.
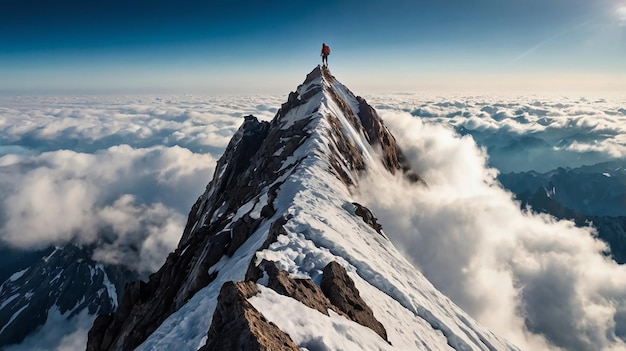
[138, 233]
[541, 283]
[140, 196]
[91, 123]
[130, 168]
[58, 333]
[119, 171]
[527, 133]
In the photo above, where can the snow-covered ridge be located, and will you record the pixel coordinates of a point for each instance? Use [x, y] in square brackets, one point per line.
[282, 193]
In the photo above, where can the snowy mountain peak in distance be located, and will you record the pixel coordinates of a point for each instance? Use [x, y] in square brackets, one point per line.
[276, 255]
[63, 285]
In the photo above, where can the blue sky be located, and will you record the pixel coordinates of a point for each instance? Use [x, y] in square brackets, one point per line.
[243, 47]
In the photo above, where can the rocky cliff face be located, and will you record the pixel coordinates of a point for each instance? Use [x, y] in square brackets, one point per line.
[277, 220]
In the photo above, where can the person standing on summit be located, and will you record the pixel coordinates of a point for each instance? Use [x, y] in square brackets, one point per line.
[324, 54]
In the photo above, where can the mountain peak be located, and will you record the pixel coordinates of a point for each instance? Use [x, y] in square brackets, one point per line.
[277, 248]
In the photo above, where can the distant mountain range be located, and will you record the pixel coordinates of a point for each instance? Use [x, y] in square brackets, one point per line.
[589, 195]
[62, 280]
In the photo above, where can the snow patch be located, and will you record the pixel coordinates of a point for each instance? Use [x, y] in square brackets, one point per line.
[110, 288]
[17, 275]
[258, 206]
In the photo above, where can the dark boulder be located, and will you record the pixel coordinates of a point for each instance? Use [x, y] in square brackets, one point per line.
[238, 326]
[342, 293]
[303, 290]
[368, 217]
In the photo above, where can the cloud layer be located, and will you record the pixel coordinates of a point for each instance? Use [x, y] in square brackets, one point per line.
[544, 284]
[89, 160]
[122, 198]
[527, 133]
[88, 124]
[121, 173]
[124, 171]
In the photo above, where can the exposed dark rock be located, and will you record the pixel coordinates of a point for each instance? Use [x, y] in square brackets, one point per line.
[232, 182]
[238, 326]
[268, 211]
[220, 243]
[368, 217]
[340, 290]
[371, 125]
[294, 99]
[313, 75]
[311, 92]
[342, 104]
[193, 217]
[106, 328]
[145, 306]
[97, 332]
[337, 293]
[379, 135]
[350, 158]
[303, 290]
[254, 273]
[241, 230]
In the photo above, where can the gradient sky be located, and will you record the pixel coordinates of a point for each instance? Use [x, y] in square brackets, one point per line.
[262, 46]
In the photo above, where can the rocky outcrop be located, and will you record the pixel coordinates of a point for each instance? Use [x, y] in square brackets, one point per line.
[98, 331]
[378, 135]
[303, 290]
[254, 272]
[237, 325]
[340, 290]
[345, 159]
[337, 293]
[371, 125]
[232, 180]
[368, 217]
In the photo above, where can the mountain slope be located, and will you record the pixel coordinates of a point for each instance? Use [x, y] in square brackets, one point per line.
[597, 190]
[312, 269]
[66, 281]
